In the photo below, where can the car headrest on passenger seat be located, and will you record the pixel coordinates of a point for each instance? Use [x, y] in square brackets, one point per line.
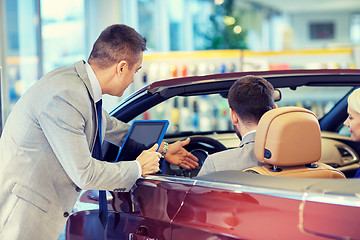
[288, 136]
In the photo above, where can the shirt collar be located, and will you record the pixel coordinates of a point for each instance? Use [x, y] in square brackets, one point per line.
[248, 133]
[246, 141]
[94, 82]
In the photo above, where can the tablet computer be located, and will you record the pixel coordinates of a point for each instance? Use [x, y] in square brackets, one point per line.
[145, 133]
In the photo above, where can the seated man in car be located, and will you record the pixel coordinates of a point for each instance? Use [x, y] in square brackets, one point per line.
[249, 98]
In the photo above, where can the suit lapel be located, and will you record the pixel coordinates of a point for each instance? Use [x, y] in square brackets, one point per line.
[81, 71]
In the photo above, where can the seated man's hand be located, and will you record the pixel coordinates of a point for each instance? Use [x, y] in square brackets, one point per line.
[178, 155]
[149, 160]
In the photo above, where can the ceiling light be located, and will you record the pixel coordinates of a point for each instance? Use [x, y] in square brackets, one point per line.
[237, 29]
[219, 2]
[229, 20]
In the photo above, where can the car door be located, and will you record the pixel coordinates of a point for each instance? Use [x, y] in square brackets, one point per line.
[336, 214]
[148, 212]
[228, 213]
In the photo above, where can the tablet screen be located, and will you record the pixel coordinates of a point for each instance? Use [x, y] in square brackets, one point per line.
[142, 135]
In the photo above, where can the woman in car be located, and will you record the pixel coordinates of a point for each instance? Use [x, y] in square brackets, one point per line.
[353, 119]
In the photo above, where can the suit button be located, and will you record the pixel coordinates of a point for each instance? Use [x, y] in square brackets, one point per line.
[78, 189]
[66, 214]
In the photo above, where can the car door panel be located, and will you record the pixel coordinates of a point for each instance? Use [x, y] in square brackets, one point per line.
[223, 214]
[155, 204]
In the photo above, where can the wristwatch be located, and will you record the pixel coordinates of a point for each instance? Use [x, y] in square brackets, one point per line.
[165, 148]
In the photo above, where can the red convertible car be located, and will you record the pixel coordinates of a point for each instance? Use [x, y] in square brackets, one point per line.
[176, 204]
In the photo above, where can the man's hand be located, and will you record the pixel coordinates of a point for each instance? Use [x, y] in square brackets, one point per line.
[149, 160]
[178, 155]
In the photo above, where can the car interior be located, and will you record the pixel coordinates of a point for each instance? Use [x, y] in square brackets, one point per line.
[204, 118]
[314, 146]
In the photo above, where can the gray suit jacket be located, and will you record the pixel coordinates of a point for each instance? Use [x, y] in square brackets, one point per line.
[45, 155]
[233, 159]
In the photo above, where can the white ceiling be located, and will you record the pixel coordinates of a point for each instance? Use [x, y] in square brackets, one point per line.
[292, 6]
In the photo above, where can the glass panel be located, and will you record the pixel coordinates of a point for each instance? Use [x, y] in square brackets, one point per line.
[22, 31]
[319, 100]
[355, 28]
[203, 18]
[147, 28]
[63, 32]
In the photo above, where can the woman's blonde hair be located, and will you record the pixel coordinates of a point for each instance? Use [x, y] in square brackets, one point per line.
[354, 100]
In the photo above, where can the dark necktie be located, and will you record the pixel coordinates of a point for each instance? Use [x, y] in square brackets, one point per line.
[97, 153]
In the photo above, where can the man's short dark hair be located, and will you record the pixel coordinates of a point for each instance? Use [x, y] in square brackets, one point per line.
[250, 97]
[116, 43]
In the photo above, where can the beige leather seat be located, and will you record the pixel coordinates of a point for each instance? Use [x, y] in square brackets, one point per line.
[288, 142]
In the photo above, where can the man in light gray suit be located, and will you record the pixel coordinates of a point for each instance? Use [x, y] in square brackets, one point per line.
[249, 98]
[47, 143]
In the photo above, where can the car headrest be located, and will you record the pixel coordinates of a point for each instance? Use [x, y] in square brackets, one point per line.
[288, 136]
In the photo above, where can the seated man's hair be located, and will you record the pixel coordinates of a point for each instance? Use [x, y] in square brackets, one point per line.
[250, 97]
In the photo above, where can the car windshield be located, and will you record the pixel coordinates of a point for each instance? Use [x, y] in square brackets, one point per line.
[210, 113]
[201, 113]
[319, 100]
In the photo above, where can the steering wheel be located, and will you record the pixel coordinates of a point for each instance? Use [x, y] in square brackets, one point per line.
[199, 146]
[215, 145]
